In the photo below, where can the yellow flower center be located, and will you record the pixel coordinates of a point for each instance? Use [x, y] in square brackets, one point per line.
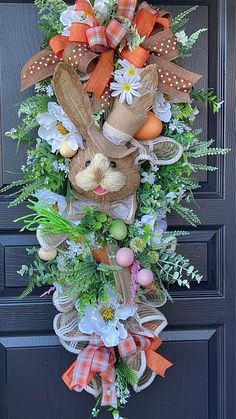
[126, 87]
[108, 313]
[84, 15]
[55, 207]
[131, 72]
[62, 129]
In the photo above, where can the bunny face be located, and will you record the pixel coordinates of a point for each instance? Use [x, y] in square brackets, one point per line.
[102, 179]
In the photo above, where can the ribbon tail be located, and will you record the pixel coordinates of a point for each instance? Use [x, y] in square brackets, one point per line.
[109, 397]
[67, 376]
[157, 363]
[39, 67]
[176, 81]
[101, 74]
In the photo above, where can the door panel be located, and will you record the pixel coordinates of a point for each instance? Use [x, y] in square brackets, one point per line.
[200, 338]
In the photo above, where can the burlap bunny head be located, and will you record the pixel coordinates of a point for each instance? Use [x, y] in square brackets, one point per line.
[101, 172]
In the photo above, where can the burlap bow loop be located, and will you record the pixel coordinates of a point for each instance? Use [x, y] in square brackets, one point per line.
[123, 210]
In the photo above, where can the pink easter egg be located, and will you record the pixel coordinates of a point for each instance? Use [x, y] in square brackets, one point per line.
[124, 257]
[145, 277]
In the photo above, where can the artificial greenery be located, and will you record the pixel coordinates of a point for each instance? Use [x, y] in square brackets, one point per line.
[39, 170]
[49, 23]
[180, 21]
[39, 273]
[185, 51]
[207, 96]
[28, 110]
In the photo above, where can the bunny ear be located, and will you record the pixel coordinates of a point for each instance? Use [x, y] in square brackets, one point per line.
[70, 95]
[167, 150]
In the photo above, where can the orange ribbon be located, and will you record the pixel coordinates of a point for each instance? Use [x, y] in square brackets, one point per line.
[155, 361]
[106, 40]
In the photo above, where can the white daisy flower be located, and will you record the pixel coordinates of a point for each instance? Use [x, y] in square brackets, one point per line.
[56, 127]
[162, 107]
[128, 70]
[182, 38]
[104, 320]
[125, 88]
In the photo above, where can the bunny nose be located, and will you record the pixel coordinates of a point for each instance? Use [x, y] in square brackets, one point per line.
[99, 175]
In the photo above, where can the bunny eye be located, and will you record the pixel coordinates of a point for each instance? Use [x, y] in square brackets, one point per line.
[87, 163]
[113, 164]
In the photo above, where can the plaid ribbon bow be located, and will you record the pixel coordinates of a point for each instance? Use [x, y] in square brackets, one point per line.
[99, 359]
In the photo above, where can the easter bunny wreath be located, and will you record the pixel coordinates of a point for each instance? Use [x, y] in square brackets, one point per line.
[114, 155]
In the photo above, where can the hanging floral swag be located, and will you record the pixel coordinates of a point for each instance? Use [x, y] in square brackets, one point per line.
[115, 153]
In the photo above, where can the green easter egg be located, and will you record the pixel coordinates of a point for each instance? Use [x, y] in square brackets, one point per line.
[118, 230]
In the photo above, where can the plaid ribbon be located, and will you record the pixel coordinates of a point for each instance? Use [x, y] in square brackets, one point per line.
[101, 38]
[98, 359]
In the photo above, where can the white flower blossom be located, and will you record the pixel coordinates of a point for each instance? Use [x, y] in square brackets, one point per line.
[69, 16]
[129, 70]
[61, 167]
[162, 107]
[105, 320]
[56, 127]
[51, 198]
[178, 126]
[101, 8]
[44, 89]
[182, 38]
[117, 416]
[148, 178]
[125, 88]
[74, 249]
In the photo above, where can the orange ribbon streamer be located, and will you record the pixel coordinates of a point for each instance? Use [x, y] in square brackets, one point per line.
[105, 66]
[155, 361]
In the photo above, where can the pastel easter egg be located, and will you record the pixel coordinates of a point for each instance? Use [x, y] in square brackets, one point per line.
[46, 256]
[145, 277]
[124, 257]
[151, 129]
[66, 150]
[118, 230]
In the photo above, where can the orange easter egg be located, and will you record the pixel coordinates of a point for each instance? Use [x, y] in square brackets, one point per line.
[151, 129]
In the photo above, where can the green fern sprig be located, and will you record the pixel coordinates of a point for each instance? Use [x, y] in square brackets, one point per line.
[186, 213]
[180, 21]
[127, 373]
[203, 167]
[208, 152]
[25, 192]
[12, 185]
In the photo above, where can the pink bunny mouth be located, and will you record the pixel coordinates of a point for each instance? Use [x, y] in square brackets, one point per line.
[100, 191]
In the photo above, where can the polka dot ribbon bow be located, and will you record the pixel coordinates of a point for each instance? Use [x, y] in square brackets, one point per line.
[99, 359]
[90, 49]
